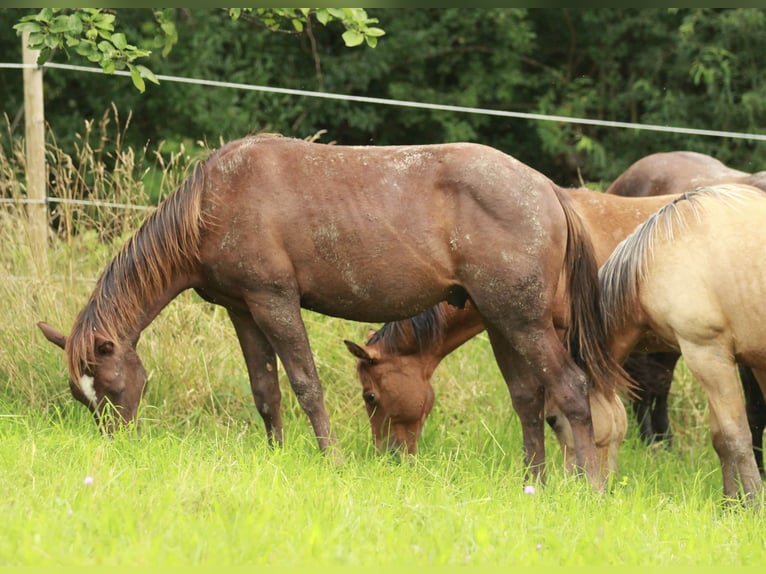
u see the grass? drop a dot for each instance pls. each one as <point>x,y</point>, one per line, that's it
<point>199,484</point>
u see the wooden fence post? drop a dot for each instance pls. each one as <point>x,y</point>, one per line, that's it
<point>37,175</point>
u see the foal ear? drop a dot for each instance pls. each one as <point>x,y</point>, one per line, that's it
<point>53,335</point>
<point>358,351</point>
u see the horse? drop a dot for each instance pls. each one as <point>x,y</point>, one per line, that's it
<point>672,173</point>
<point>690,276</point>
<point>268,225</point>
<point>396,364</point>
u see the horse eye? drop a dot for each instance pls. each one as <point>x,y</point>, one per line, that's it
<point>369,398</point>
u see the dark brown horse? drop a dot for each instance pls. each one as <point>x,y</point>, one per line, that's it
<point>672,173</point>
<point>690,276</point>
<point>397,362</point>
<point>267,225</point>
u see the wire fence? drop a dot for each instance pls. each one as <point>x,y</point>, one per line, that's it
<point>365,100</point>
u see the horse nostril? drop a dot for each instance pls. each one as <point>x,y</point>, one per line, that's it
<point>552,420</point>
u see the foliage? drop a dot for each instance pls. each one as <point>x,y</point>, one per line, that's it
<point>91,33</point>
<point>691,67</point>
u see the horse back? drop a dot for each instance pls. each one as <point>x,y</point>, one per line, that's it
<point>690,267</point>
<point>673,172</point>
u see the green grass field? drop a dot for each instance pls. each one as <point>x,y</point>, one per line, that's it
<point>200,486</point>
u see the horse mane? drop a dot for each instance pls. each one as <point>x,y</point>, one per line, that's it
<point>621,274</point>
<point>165,245</point>
<point>412,335</point>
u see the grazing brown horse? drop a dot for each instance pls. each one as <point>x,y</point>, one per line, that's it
<point>691,276</point>
<point>397,362</point>
<point>671,173</point>
<point>396,365</point>
<point>268,225</point>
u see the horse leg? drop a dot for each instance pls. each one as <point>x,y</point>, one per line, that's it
<point>560,425</point>
<point>754,386</point>
<point>262,370</point>
<point>528,399</point>
<point>542,365</point>
<point>278,316</point>
<point>666,364</point>
<point>635,366</point>
<point>653,374</point>
<point>614,433</point>
<point>714,368</point>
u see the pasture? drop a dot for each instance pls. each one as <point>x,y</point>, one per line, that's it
<point>199,485</point>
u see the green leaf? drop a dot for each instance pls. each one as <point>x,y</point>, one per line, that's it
<point>375,32</point>
<point>86,49</point>
<point>147,74</point>
<point>45,53</point>
<point>27,27</point>
<point>75,25</point>
<point>323,16</point>
<point>138,81</point>
<point>106,49</point>
<point>45,15</point>
<point>104,21</point>
<point>119,41</point>
<point>36,40</point>
<point>51,41</point>
<point>352,38</point>
<point>298,25</point>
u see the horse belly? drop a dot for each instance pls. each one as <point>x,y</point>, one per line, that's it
<point>376,291</point>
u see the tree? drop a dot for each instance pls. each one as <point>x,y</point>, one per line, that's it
<point>91,33</point>
<point>698,68</point>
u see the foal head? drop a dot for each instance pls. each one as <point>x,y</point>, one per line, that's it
<point>110,382</point>
<point>397,394</point>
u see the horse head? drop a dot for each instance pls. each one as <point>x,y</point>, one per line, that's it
<point>397,395</point>
<point>110,382</point>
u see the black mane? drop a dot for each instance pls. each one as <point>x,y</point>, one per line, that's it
<point>412,335</point>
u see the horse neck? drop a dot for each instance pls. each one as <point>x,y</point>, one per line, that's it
<point>611,218</point>
<point>124,311</point>
<point>459,326</point>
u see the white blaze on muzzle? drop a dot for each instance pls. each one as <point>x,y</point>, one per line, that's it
<point>86,386</point>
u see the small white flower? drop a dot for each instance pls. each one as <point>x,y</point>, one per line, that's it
<point>529,489</point>
<point>88,480</point>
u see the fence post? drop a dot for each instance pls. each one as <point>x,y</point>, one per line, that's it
<point>37,176</point>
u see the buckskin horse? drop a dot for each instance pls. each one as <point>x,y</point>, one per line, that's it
<point>672,173</point>
<point>689,276</point>
<point>269,225</point>
<point>396,364</point>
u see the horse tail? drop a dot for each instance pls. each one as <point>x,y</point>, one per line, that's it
<point>586,338</point>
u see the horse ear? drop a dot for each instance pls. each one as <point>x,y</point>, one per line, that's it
<point>359,352</point>
<point>52,334</point>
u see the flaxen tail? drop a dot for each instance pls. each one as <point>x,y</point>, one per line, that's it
<point>586,337</point>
